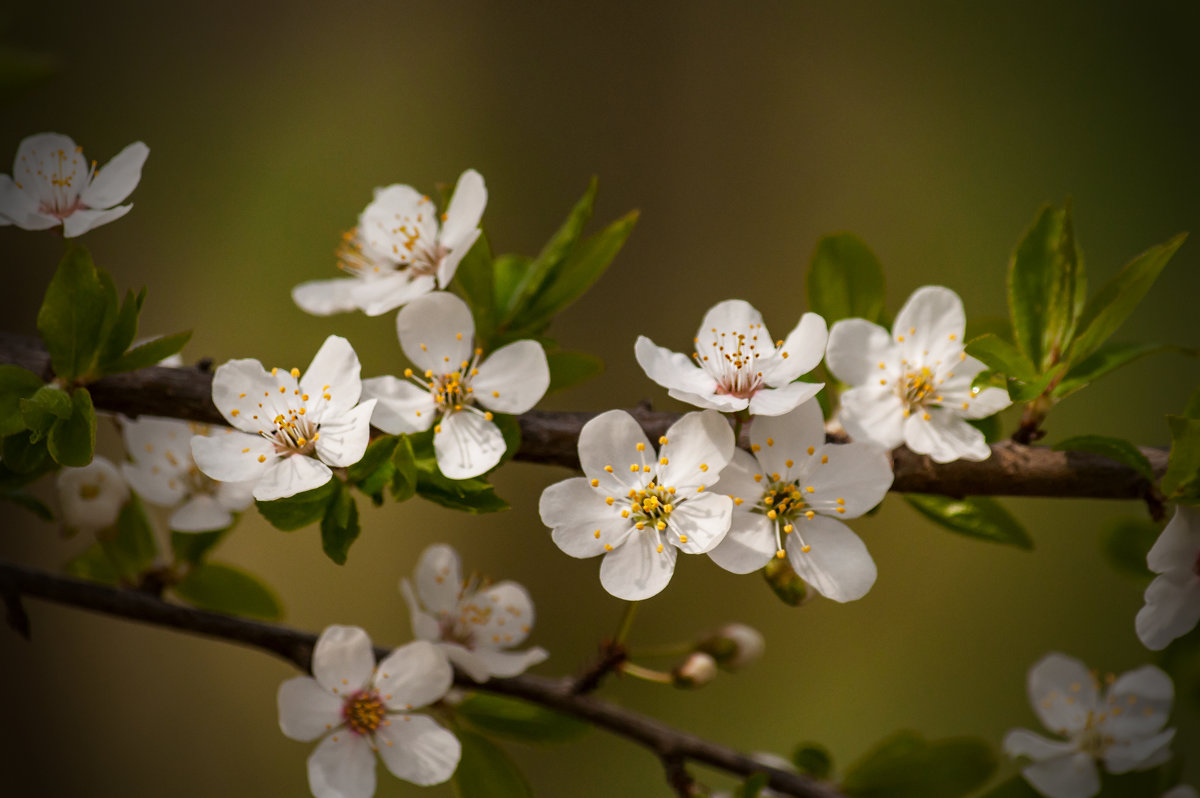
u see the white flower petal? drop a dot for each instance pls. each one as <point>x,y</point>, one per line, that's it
<point>235,496</point>
<point>931,324</point>
<point>465,210</point>
<point>80,222</point>
<point>333,372</point>
<point>468,445</point>
<point>611,439</point>
<point>1172,609</point>
<point>414,675</point>
<point>749,544</point>
<point>448,265</point>
<point>777,401</point>
<point>399,223</point>
<point>1022,742</point>
<point>1139,753</point>
<point>156,486</point>
<point>698,446</point>
<point>21,207</point>
<point>512,379</point>
<point>944,437</point>
<point>400,406</point>
<point>326,297</point>
<point>857,473</point>
<point>1178,545</point>
<point>673,370</point>
<point>802,350</point>
<point>91,497</point>
<point>873,413</point>
<point>737,480</point>
<point>439,578</point>
<point>342,766</point>
<point>289,475</point>
<point>506,664</point>
<point>436,332</point>
<point>837,564</point>
<point>387,293</point>
<point>987,402</point>
<point>343,659</point>
<point>1072,776</point>
<point>245,394</point>
<point>855,350</point>
<point>468,661</point>
<point>779,439</point>
<point>200,513</point>
<point>575,512</point>
<point>306,710</point>
<point>424,625</point>
<point>416,749</point>
<point>703,519</point>
<point>117,179</point>
<point>510,619</point>
<point>639,568</point>
<point>231,456</point>
<point>1144,696</point>
<point>1062,692</point>
<point>343,439</point>
<point>723,402</point>
<point>731,317</point>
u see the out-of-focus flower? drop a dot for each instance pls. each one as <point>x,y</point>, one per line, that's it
<point>91,497</point>
<point>696,671</point>
<point>1173,599</point>
<point>734,646</point>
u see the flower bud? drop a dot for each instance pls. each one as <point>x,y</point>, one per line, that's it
<point>734,646</point>
<point>91,497</point>
<point>696,671</point>
<point>790,588</point>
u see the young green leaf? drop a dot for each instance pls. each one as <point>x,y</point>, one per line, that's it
<point>753,786</point>
<point>476,277</point>
<point>1116,449</point>
<point>72,440</point>
<point>1108,357</point>
<point>147,354</point>
<point>977,517</point>
<point>1001,356</point>
<point>296,512</point>
<point>1105,312</point>
<point>16,384</point>
<point>339,527</point>
<point>193,547</point>
<point>813,759</point>
<point>1046,287</point>
<point>845,279</point>
<point>119,334</point>
<point>541,271</point>
<point>1182,480</point>
<point>72,314</point>
<point>223,588</point>
<point>129,545</point>
<point>404,476</point>
<point>24,455</point>
<point>475,495</point>
<point>906,765</point>
<point>485,771</point>
<point>93,565</point>
<point>508,275</point>
<point>379,451</point>
<point>48,404</point>
<point>1127,541</point>
<point>518,720</point>
<point>568,369</point>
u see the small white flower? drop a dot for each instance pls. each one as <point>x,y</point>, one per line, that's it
<point>53,184</point>
<point>471,622</point>
<point>737,364</point>
<point>91,497</point>
<point>637,508</point>
<point>913,386</point>
<point>291,428</point>
<point>362,709</point>
<point>398,252</point>
<point>1121,727</point>
<point>437,334</point>
<point>1173,599</point>
<point>163,473</point>
<point>789,496</point>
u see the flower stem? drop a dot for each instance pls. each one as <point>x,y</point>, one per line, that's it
<point>626,623</point>
<point>637,671</point>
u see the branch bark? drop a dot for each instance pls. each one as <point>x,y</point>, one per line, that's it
<point>672,746</point>
<point>551,437</point>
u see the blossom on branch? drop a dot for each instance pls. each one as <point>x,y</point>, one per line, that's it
<point>913,385</point>
<point>472,622</point>
<point>91,497</point>
<point>52,184</point>
<point>398,252</point>
<point>455,390</point>
<point>290,429</point>
<point>1173,599</point>
<point>361,709</point>
<point>163,473</point>
<point>637,508</point>
<point>737,364</point>
<point>1120,725</point>
<point>789,497</point>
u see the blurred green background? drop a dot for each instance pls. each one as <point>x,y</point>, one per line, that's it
<point>743,132</point>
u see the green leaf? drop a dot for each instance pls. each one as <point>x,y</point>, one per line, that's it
<point>475,496</point>
<point>1108,357</point>
<point>123,327</point>
<point>378,452</point>
<point>753,786</point>
<point>72,313</point>
<point>404,475</point>
<point>845,279</point>
<point>1117,449</point>
<point>1013,787</point>
<point>129,545</point>
<point>571,368</point>
<point>541,271</point>
<point>147,354</point>
<point>193,547</point>
<point>72,440</point>
<point>47,405</point>
<point>1182,480</point>
<point>24,455</point>
<point>518,720</point>
<point>510,429</point>
<point>296,512</point>
<point>1046,287</point>
<point>485,771</point>
<point>223,588</point>
<point>16,384</point>
<point>1127,541</point>
<point>1105,312</point>
<point>813,759</point>
<point>508,274</point>
<point>906,765</point>
<point>476,278</point>
<point>339,527</point>
<point>977,517</point>
<point>991,427</point>
<point>93,564</point>
<point>1001,356</point>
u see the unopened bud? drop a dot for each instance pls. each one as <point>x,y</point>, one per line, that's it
<point>734,646</point>
<point>696,671</point>
<point>790,588</point>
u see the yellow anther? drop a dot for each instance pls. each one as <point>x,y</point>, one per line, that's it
<point>662,441</point>
<point>787,528</point>
<point>597,534</point>
<point>841,501</point>
<point>437,428</point>
<point>810,489</point>
<point>301,442</point>
<point>781,554</point>
<point>883,382</point>
<point>704,466</point>
<point>274,371</point>
<point>595,483</point>
<point>966,405</point>
<point>608,547</point>
<point>882,365</point>
<point>624,513</point>
<point>639,526</point>
<point>758,477</point>
<point>738,501</point>
<point>295,372</point>
<point>609,469</point>
<point>662,461</point>
<point>771,514</point>
<point>668,508</point>
<point>925,416</point>
<point>806,548</point>
<point>262,458</point>
<point>812,450</point>
<point>824,459</point>
<point>235,412</point>
<point>495,394</point>
<point>775,476</point>
<point>660,526</point>
<point>646,468</point>
<point>488,415</point>
<point>683,538</point>
<point>634,467</point>
<point>659,548</point>
<point>809,514</point>
<point>700,489</point>
<point>609,500</point>
<point>841,509</point>
<point>770,441</point>
<point>754,447</point>
<point>641,447</point>
<point>245,450</point>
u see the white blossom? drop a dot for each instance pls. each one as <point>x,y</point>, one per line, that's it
<point>398,252</point>
<point>360,709</point>
<point>1119,725</point>
<point>455,390</point>
<point>790,496</point>
<point>91,497</point>
<point>737,364</point>
<point>289,429</point>
<point>163,473</point>
<point>1173,599</point>
<point>473,622</point>
<point>913,385</point>
<point>638,508</point>
<point>52,184</point>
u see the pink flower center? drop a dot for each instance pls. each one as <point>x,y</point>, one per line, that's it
<point>364,712</point>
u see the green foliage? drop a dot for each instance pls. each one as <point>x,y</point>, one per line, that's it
<point>73,439</point>
<point>568,369</point>
<point>1181,482</point>
<point>906,765</point>
<point>193,547</point>
<point>977,517</point>
<point>753,786</point>
<point>1108,357</point>
<point>1118,449</point>
<point>373,473</point>
<point>72,314</point>
<point>1046,287</point>
<point>147,354</point>
<point>485,771</point>
<point>47,405</point>
<point>518,720</point>
<point>223,588</point>
<point>473,495</point>
<point>845,279</point>
<point>23,455</point>
<point>93,565</point>
<point>1127,541</point>
<point>129,545</point>
<point>297,512</point>
<point>813,759</point>
<point>16,384</point>
<point>339,527</point>
<point>404,470</point>
<point>1022,381</point>
<point>476,278</point>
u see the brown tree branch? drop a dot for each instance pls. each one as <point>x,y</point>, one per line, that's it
<point>672,746</point>
<point>551,437</point>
